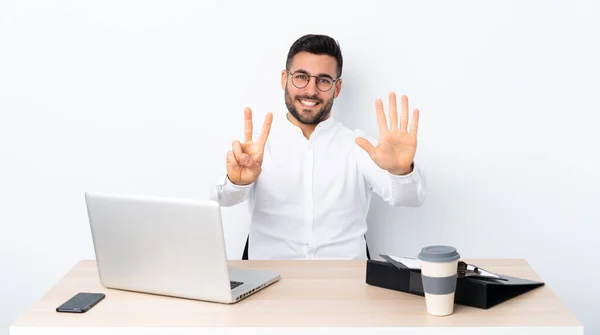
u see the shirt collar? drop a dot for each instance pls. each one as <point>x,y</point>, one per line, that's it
<point>327,123</point>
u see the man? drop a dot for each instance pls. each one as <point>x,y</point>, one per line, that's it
<point>309,180</point>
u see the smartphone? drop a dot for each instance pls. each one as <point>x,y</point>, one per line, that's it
<point>80,302</point>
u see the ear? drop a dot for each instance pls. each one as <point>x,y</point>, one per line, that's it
<point>283,78</point>
<point>338,88</point>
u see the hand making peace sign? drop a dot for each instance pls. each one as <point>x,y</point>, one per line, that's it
<point>244,162</point>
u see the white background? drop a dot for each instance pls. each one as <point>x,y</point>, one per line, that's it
<point>145,97</point>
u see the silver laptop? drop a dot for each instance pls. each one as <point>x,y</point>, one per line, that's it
<point>167,246</point>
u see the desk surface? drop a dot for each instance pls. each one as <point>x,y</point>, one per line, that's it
<point>311,293</point>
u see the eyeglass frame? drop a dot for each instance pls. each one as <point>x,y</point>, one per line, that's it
<point>308,81</point>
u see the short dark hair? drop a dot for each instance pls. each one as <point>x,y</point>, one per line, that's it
<point>318,45</point>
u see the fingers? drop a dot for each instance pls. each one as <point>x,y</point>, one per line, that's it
<point>414,126</point>
<point>393,112</point>
<point>404,115</point>
<point>383,129</point>
<point>266,129</point>
<point>366,145</point>
<point>237,151</point>
<point>231,159</point>
<point>242,158</point>
<point>247,124</point>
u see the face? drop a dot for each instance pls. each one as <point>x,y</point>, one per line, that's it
<point>310,105</point>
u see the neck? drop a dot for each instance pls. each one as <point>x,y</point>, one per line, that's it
<point>307,129</point>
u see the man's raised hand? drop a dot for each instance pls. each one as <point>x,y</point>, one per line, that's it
<point>244,161</point>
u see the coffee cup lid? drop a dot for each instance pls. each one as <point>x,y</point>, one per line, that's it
<point>439,254</point>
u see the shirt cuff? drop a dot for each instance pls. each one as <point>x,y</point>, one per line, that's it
<point>233,187</point>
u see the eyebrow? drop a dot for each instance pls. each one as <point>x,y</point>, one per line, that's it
<point>319,75</point>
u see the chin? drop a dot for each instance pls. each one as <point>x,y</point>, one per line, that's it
<point>309,112</point>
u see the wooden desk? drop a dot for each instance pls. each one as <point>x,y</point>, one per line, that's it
<point>312,297</point>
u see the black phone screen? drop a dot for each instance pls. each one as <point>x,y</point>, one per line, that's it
<point>81,302</point>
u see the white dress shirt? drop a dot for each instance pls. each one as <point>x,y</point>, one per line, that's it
<point>312,197</point>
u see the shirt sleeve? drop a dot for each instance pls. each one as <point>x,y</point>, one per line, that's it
<point>406,190</point>
<point>228,194</point>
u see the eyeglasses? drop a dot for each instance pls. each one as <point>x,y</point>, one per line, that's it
<point>301,80</point>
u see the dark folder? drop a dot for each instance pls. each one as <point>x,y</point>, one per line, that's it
<point>470,291</point>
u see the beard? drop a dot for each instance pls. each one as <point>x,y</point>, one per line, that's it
<point>307,117</point>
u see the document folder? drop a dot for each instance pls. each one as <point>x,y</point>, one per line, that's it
<point>476,292</point>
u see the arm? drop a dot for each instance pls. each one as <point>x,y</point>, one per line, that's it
<point>397,190</point>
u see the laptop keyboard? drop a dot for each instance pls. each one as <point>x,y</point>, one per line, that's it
<point>235,284</point>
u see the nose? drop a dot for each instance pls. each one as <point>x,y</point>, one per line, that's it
<point>311,88</point>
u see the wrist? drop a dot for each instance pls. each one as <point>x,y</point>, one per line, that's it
<point>238,183</point>
<point>403,171</point>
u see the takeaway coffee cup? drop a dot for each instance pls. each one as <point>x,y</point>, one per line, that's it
<point>439,264</point>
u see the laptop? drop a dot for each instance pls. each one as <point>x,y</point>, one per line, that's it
<point>167,246</point>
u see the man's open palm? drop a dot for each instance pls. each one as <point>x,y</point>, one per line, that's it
<point>244,162</point>
<point>397,146</point>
